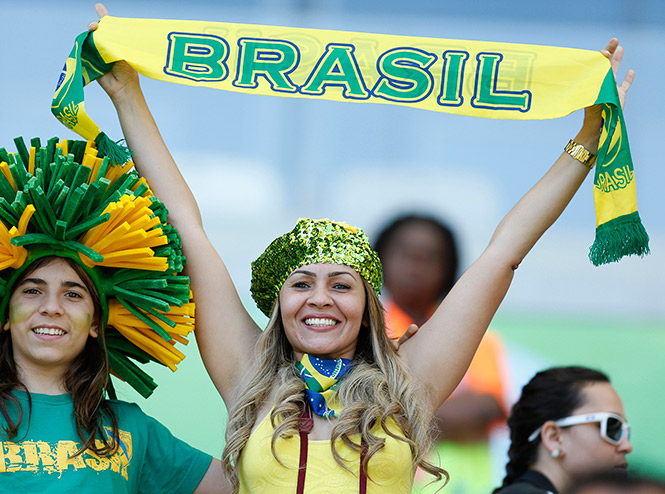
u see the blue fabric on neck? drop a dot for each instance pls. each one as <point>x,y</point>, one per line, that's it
<point>322,377</point>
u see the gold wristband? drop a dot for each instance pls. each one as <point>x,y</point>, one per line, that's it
<point>580,153</point>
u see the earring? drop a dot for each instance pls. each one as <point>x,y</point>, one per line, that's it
<point>555,453</point>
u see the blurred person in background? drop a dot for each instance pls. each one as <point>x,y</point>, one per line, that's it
<point>420,259</point>
<point>617,483</point>
<point>568,423</point>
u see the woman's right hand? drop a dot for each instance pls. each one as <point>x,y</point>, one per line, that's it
<point>122,77</point>
<point>225,333</point>
<point>101,11</point>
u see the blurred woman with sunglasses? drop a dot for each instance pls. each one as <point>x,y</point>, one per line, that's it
<point>568,422</point>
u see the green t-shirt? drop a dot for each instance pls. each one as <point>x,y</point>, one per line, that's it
<point>150,459</point>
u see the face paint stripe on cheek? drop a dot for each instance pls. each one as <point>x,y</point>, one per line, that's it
<point>18,312</point>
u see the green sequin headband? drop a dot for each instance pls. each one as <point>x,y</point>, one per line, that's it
<point>64,199</point>
<point>312,242</point>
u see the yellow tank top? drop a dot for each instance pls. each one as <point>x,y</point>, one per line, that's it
<point>390,470</point>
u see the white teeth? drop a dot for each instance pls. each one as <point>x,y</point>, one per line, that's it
<point>49,331</point>
<point>320,321</point>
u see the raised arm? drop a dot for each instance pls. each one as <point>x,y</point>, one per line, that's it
<point>441,351</point>
<point>225,332</point>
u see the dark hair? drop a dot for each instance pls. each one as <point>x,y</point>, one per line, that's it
<point>550,395</point>
<point>620,481</point>
<point>451,255</point>
<point>87,378</point>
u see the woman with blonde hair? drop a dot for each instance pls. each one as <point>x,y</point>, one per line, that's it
<point>320,401</point>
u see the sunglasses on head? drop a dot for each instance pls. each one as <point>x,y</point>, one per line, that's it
<point>613,428</point>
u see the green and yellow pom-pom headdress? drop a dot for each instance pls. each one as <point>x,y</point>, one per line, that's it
<point>63,199</point>
<point>312,242</point>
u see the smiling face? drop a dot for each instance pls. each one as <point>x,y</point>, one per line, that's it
<point>322,308</point>
<point>584,449</point>
<point>51,314</point>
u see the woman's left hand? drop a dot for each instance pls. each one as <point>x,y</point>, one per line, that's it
<point>614,53</point>
<point>593,120</point>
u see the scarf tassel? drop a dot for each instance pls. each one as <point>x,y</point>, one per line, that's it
<point>622,236</point>
<point>116,152</point>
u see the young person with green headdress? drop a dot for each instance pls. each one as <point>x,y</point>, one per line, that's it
<point>90,284</point>
<point>320,401</point>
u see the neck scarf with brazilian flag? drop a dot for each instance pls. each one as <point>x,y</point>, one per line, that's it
<point>322,378</point>
<point>482,79</point>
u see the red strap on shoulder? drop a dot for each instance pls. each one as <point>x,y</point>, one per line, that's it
<point>305,426</point>
<point>363,475</point>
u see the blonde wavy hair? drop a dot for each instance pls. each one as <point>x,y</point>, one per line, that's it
<point>377,388</point>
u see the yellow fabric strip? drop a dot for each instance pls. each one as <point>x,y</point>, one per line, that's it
<point>477,78</point>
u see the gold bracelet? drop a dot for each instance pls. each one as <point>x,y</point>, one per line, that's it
<point>580,153</point>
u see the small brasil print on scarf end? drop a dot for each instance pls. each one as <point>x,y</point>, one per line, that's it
<point>622,236</point>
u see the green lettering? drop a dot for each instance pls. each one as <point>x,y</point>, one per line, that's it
<point>272,59</point>
<point>337,67</point>
<point>198,57</point>
<point>404,75</point>
<point>452,78</point>
<point>485,93</point>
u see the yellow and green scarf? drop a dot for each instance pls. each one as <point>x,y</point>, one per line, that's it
<point>476,78</point>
